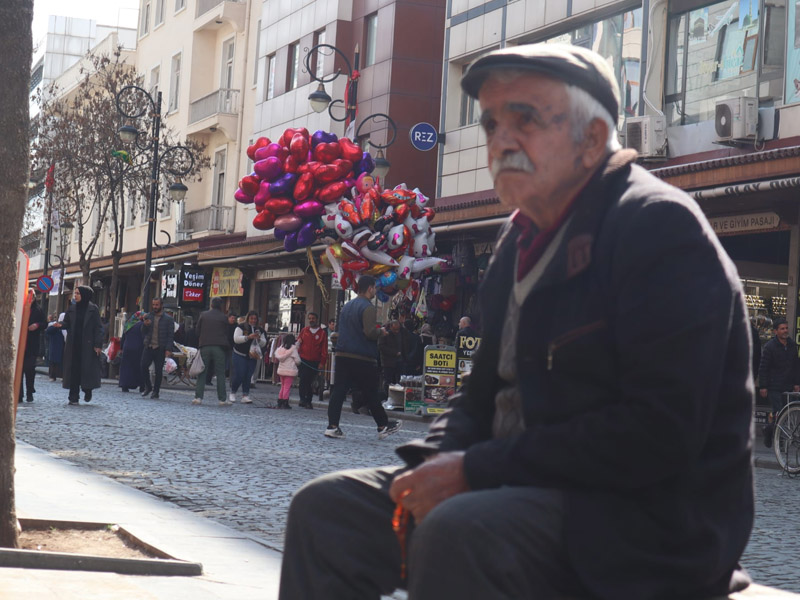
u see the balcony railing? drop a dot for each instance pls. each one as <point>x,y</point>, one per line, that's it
<point>203,6</point>
<point>210,218</point>
<point>222,101</point>
<point>31,243</point>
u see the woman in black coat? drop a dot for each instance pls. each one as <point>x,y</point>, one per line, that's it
<point>83,346</point>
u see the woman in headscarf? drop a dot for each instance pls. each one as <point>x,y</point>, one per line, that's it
<point>83,346</point>
<point>132,344</point>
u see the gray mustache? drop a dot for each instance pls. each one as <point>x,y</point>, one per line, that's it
<point>518,161</point>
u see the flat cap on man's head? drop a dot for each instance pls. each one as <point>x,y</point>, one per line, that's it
<point>571,64</point>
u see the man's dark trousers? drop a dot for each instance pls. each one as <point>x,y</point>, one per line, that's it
<point>307,371</point>
<point>362,376</point>
<point>29,372</point>
<point>156,357</point>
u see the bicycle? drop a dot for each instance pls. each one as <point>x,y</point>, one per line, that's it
<point>786,437</point>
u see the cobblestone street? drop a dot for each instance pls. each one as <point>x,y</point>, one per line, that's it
<point>240,464</point>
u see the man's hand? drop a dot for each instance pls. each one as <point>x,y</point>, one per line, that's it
<point>98,351</point>
<point>432,482</point>
<point>147,322</point>
<point>763,392</point>
<point>796,388</point>
<point>57,325</point>
<point>168,354</point>
<point>33,327</point>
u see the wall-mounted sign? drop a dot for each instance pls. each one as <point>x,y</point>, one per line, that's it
<point>288,273</point>
<point>745,223</point>
<point>423,136</point>
<point>226,282</point>
<point>466,345</point>
<point>193,286</point>
<point>169,285</point>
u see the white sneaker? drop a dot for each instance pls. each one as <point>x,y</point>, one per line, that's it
<point>197,401</point>
<point>231,397</point>
<point>246,400</point>
<point>225,403</point>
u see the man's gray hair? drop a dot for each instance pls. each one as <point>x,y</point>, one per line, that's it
<point>216,303</point>
<point>585,109</point>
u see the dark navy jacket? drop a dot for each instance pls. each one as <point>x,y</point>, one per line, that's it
<point>779,367</point>
<point>633,354</point>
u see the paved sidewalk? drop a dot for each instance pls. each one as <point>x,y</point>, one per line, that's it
<point>235,566</point>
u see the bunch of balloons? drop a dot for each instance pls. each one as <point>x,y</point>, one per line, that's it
<point>320,187</point>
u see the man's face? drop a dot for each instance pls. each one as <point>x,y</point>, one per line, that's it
<point>462,324</point>
<point>370,293</point>
<point>532,158</point>
<point>395,327</point>
<point>252,320</point>
<point>156,304</point>
<point>782,331</point>
<point>231,319</point>
<point>313,320</point>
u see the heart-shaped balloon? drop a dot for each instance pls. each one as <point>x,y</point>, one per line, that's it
<point>308,167</point>
<point>264,220</point>
<point>290,242</point>
<point>291,164</point>
<point>240,196</point>
<point>350,150</point>
<point>259,143</point>
<point>280,234</point>
<point>326,173</point>
<point>304,187</point>
<point>289,133</point>
<point>343,167</point>
<point>366,164</point>
<point>249,185</point>
<point>298,147</point>
<point>327,152</point>
<point>309,209</point>
<point>263,194</point>
<point>279,206</point>
<point>306,235</point>
<point>284,185</point>
<point>270,168</point>
<point>322,137</point>
<point>332,192</point>
<point>273,149</point>
<point>289,222</point>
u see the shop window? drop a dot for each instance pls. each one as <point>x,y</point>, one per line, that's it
<point>712,53</point>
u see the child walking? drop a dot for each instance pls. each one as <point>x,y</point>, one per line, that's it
<point>288,359</point>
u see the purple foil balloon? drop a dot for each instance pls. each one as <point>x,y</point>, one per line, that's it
<point>290,222</point>
<point>290,242</point>
<point>273,149</point>
<point>270,168</point>
<point>309,208</point>
<point>323,136</point>
<point>280,234</point>
<point>367,163</point>
<point>283,186</point>
<point>307,234</point>
<point>263,193</point>
<point>240,196</point>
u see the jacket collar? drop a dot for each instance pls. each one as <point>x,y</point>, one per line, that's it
<point>574,251</point>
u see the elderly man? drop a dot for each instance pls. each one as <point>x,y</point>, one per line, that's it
<point>602,446</point>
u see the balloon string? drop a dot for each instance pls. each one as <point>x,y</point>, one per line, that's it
<point>325,296</point>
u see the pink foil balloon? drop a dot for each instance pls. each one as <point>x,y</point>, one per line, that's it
<point>289,222</point>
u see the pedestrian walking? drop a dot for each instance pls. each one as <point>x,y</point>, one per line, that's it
<point>55,348</point>
<point>249,340</point>
<point>212,334</point>
<point>288,359</point>
<point>606,427</point>
<point>83,346</point>
<point>158,331</point>
<point>132,346</point>
<point>779,372</point>
<point>36,324</point>
<point>357,361</point>
<point>313,350</point>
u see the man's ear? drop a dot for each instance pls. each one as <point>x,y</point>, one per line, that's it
<point>594,143</point>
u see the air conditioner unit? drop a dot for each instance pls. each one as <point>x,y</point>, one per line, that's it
<point>736,118</point>
<point>647,135</point>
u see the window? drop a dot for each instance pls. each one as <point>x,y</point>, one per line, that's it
<point>226,76</point>
<point>370,38</point>
<point>470,112</point>
<point>130,214</point>
<point>318,59</point>
<point>711,54</point>
<point>165,201</point>
<point>180,5</point>
<point>293,66</point>
<point>159,12</point>
<point>269,91</point>
<point>144,24</point>
<point>175,83</point>
<point>257,52</point>
<point>218,191</point>
<point>155,76</point>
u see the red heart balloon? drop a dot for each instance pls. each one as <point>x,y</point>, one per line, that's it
<point>308,167</point>
<point>289,133</point>
<point>332,192</point>
<point>343,167</point>
<point>264,220</point>
<point>327,152</point>
<point>304,187</point>
<point>259,143</point>
<point>249,185</point>
<point>279,206</point>
<point>291,164</point>
<point>350,150</point>
<point>298,147</point>
<point>325,173</point>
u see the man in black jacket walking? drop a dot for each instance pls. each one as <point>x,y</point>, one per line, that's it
<point>779,371</point>
<point>158,329</point>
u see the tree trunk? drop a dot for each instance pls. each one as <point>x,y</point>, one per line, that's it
<point>15,63</point>
<point>113,291</point>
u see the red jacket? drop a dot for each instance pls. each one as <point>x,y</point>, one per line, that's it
<point>314,346</point>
